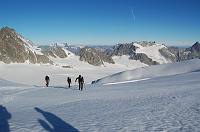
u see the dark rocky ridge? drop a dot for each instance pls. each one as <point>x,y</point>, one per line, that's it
<point>124,49</point>
<point>53,51</point>
<point>143,58</point>
<point>94,57</point>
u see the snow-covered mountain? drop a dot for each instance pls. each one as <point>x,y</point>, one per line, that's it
<point>14,48</point>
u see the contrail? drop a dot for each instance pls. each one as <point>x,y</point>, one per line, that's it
<point>133,15</point>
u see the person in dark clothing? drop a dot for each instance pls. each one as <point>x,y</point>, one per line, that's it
<point>80,82</point>
<point>47,80</point>
<point>69,81</point>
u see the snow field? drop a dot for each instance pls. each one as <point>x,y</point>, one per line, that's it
<point>167,101</point>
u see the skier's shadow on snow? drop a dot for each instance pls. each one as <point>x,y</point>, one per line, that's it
<point>66,88</point>
<point>60,87</point>
<point>4,117</point>
<point>73,87</point>
<point>58,125</point>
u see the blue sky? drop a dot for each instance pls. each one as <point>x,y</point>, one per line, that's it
<point>103,21</point>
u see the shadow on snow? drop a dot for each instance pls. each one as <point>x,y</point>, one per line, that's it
<point>58,125</point>
<point>4,117</point>
<point>73,87</point>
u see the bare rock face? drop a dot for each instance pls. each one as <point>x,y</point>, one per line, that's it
<point>170,56</point>
<point>194,51</point>
<point>94,57</point>
<point>124,49</point>
<point>143,58</point>
<point>187,53</point>
<point>146,43</point>
<point>43,59</point>
<point>15,49</point>
<point>53,51</point>
<point>59,52</point>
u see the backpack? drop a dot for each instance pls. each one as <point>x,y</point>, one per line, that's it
<point>47,78</point>
<point>69,79</point>
<point>81,80</point>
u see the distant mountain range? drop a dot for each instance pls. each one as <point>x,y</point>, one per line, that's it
<point>14,48</point>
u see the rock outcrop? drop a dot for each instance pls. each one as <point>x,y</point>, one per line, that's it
<point>94,57</point>
<point>15,49</point>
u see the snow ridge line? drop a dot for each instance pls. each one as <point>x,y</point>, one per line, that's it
<point>127,81</point>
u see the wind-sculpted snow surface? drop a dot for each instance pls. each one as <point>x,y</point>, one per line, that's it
<point>152,72</point>
<point>5,83</point>
<point>169,103</point>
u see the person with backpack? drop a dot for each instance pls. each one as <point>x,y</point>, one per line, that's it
<point>69,81</point>
<point>80,82</point>
<point>47,81</point>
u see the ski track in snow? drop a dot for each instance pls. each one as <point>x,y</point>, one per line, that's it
<point>161,104</point>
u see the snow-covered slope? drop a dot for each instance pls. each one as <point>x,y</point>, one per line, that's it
<point>125,61</point>
<point>6,83</point>
<point>153,71</point>
<point>161,104</point>
<point>152,51</point>
<point>33,74</point>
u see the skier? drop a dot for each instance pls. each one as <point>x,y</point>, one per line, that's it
<point>69,81</point>
<point>47,80</point>
<point>80,82</point>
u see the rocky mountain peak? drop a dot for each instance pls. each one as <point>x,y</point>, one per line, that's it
<point>197,43</point>
<point>7,33</point>
<point>7,29</point>
<point>146,43</point>
<point>15,49</point>
<point>196,46</point>
<point>124,49</point>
